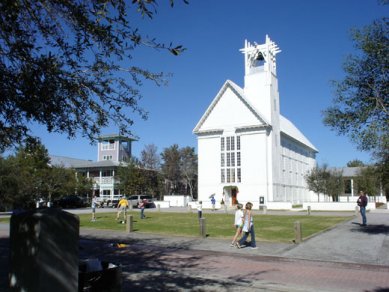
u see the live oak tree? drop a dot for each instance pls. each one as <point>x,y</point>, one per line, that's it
<point>67,64</point>
<point>360,108</point>
<point>136,180</point>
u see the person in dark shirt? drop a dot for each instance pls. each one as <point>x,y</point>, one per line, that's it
<point>362,203</point>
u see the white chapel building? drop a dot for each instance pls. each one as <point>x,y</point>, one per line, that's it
<point>247,151</point>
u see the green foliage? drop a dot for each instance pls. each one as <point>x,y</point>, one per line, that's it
<point>171,168</point>
<point>67,65</point>
<point>267,227</point>
<point>334,184</point>
<point>135,180</point>
<point>28,176</point>
<point>322,180</point>
<point>369,181</point>
<point>361,103</point>
<point>188,168</point>
<point>179,168</point>
<point>355,163</point>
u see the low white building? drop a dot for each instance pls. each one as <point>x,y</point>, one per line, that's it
<point>247,151</point>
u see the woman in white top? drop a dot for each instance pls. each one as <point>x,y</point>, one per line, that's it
<point>238,223</point>
<point>248,228</point>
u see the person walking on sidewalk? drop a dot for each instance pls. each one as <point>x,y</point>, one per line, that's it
<point>238,223</point>
<point>248,228</point>
<point>122,208</point>
<point>362,203</point>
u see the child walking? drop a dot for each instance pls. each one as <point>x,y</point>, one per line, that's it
<point>238,223</point>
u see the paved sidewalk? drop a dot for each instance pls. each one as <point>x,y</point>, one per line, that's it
<point>348,257</point>
<point>347,242</point>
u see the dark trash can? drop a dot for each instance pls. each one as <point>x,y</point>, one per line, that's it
<point>107,277</point>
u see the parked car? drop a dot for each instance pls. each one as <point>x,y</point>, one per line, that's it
<point>108,202</point>
<point>71,201</point>
<point>135,199</point>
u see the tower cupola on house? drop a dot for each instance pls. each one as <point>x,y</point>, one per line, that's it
<point>114,147</point>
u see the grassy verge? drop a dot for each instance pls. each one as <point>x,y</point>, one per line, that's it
<point>267,227</point>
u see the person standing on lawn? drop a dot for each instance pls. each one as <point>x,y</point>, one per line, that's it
<point>238,223</point>
<point>248,228</point>
<point>94,205</point>
<point>142,205</point>
<point>122,208</point>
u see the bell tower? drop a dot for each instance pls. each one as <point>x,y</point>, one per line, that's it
<point>260,80</point>
<point>261,90</point>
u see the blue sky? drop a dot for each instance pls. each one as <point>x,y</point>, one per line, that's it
<point>313,36</point>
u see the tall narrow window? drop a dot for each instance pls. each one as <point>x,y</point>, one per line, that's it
<point>230,159</point>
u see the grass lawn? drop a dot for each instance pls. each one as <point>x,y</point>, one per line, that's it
<point>267,227</point>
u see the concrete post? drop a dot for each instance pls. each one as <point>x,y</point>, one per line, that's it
<point>158,208</point>
<point>264,210</point>
<point>225,208</point>
<point>130,207</point>
<point>130,224</point>
<point>44,251</point>
<point>309,210</point>
<point>297,232</point>
<point>203,230</point>
<point>189,208</point>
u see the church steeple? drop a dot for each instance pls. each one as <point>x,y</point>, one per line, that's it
<point>260,80</point>
<point>258,56</point>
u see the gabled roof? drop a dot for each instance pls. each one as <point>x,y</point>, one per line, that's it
<point>289,129</point>
<point>240,94</point>
<point>68,162</point>
<point>286,126</point>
